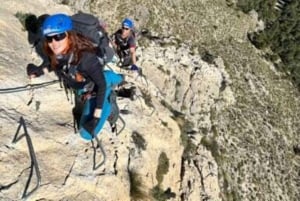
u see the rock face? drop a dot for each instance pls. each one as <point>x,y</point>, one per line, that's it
<point>213,120</point>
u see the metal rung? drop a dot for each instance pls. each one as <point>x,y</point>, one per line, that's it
<point>99,145</point>
<point>34,163</point>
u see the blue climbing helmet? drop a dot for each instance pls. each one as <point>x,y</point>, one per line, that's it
<point>56,24</point>
<point>127,23</point>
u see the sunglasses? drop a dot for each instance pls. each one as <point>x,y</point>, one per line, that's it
<point>125,28</point>
<point>57,37</point>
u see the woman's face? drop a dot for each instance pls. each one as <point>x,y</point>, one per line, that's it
<point>58,43</point>
<point>125,31</point>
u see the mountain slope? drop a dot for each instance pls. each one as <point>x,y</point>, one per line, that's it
<point>213,121</point>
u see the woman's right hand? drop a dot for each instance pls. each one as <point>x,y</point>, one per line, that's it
<point>35,71</point>
<point>32,70</point>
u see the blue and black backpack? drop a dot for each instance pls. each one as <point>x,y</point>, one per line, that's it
<point>110,109</point>
<point>91,27</point>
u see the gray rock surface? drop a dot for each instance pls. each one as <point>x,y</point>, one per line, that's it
<point>213,121</point>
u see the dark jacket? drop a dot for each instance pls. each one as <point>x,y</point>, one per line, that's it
<point>124,44</point>
<point>90,68</point>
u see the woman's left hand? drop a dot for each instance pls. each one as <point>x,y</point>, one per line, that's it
<point>97,113</point>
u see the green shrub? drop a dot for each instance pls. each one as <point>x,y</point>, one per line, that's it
<point>138,140</point>
<point>281,32</point>
<point>136,186</point>
<point>147,98</point>
<point>158,194</point>
<point>162,168</point>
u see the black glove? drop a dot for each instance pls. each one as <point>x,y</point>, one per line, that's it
<point>127,93</point>
<point>90,125</point>
<point>134,67</point>
<point>34,70</point>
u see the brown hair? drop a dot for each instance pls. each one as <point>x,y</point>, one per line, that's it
<point>77,45</point>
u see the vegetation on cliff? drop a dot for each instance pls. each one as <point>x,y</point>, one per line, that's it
<point>281,33</point>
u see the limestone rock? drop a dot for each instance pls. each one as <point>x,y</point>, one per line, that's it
<point>212,119</point>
